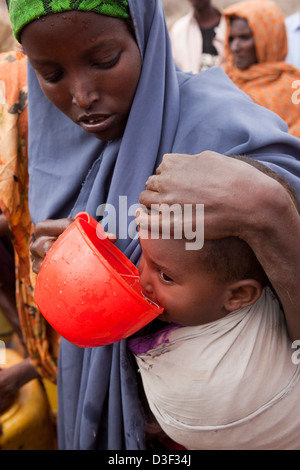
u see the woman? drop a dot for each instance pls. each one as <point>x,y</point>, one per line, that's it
<point>123,107</point>
<point>254,58</point>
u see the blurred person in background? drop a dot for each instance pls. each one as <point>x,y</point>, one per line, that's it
<point>197,37</point>
<point>292,24</point>
<point>255,49</point>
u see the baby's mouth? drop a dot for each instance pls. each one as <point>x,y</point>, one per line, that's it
<point>151,301</point>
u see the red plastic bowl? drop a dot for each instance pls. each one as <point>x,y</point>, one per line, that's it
<point>88,290</point>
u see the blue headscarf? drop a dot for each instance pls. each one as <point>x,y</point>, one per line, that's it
<point>71,171</point>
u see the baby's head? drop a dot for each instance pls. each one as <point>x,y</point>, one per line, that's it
<point>200,286</point>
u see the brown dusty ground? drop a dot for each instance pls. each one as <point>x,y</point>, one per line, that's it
<point>176,8</point>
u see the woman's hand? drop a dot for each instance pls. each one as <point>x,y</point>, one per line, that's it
<point>46,233</point>
<point>229,189</point>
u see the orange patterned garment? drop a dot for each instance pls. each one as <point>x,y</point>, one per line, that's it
<point>269,82</point>
<point>41,341</point>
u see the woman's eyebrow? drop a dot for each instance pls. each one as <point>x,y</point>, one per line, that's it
<point>91,49</point>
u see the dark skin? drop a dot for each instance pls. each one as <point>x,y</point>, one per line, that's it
<point>242,44</point>
<point>206,15</point>
<point>7,296</point>
<point>88,65</point>
<point>14,377</point>
<point>222,184</point>
<point>92,79</point>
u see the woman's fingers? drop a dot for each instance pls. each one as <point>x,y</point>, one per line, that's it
<point>46,233</point>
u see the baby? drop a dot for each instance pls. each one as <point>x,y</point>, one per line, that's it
<point>220,374</point>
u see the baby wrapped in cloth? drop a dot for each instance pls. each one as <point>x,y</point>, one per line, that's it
<point>228,384</point>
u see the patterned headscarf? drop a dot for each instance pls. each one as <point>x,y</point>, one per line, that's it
<point>23,12</point>
<point>266,22</point>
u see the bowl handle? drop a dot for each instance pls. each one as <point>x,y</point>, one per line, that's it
<point>91,221</point>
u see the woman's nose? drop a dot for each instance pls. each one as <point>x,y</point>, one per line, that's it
<point>235,45</point>
<point>82,95</point>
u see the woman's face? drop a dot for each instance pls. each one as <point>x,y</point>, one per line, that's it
<point>88,65</point>
<point>241,43</point>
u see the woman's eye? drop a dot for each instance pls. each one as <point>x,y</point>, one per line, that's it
<point>107,65</point>
<point>165,278</point>
<point>53,78</point>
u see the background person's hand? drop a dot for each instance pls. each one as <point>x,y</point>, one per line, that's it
<point>8,388</point>
<point>12,379</point>
<point>45,234</point>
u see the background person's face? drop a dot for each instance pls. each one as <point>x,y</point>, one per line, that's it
<point>199,5</point>
<point>241,43</point>
<point>88,65</point>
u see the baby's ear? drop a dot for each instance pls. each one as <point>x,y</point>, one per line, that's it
<point>242,294</point>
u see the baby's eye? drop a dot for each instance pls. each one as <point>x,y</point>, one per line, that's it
<point>165,278</point>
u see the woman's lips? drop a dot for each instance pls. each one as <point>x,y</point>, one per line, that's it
<point>95,123</point>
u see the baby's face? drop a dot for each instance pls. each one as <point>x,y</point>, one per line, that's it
<point>173,277</point>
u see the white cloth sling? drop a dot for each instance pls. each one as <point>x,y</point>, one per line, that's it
<point>229,384</point>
